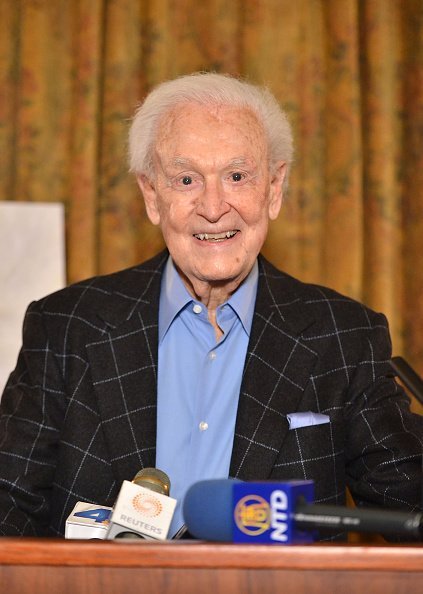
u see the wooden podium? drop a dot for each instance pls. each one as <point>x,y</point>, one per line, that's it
<point>187,567</point>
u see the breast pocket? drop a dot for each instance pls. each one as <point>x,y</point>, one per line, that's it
<point>315,453</point>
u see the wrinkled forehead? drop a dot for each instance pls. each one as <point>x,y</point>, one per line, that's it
<point>206,121</point>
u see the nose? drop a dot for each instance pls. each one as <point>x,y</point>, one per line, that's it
<point>212,203</point>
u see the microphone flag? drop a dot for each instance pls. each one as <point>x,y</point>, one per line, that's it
<point>141,511</point>
<point>88,521</point>
<point>263,511</point>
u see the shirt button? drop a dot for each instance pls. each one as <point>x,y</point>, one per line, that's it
<point>197,308</point>
<point>212,356</point>
<point>203,426</point>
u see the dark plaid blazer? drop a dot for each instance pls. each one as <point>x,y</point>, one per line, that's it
<point>78,415</point>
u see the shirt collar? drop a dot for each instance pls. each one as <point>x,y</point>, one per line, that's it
<point>174,296</point>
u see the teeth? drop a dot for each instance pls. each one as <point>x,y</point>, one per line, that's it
<point>215,236</point>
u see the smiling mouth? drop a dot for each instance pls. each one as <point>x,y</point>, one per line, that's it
<point>215,236</point>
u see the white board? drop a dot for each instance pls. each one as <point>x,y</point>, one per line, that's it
<point>32,264</point>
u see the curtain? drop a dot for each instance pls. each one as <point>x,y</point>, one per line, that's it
<point>348,72</point>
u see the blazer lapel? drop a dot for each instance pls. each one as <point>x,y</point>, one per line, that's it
<point>124,370</point>
<point>276,372</point>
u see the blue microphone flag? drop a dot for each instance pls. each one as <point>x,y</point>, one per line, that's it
<point>263,512</point>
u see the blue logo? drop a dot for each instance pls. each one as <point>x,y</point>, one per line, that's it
<point>263,511</point>
<point>99,515</point>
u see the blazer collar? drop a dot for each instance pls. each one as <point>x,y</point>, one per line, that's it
<point>132,290</point>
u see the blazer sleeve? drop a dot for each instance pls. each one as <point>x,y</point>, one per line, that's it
<point>31,415</point>
<point>384,439</point>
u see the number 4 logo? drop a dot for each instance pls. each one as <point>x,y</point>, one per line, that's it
<point>97,514</point>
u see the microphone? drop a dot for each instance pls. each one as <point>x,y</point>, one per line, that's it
<point>143,508</point>
<point>88,521</point>
<point>280,513</point>
<point>406,373</point>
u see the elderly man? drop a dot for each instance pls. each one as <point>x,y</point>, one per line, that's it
<point>205,361</point>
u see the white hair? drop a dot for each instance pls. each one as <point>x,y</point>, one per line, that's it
<point>214,90</point>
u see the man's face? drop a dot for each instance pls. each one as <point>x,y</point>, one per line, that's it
<point>212,193</point>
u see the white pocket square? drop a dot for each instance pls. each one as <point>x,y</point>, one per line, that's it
<point>306,419</point>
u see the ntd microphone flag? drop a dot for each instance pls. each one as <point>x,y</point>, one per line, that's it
<point>263,511</point>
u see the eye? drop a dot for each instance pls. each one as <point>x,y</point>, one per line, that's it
<point>186,182</point>
<point>236,176</point>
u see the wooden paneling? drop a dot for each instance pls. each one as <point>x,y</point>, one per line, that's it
<point>49,566</point>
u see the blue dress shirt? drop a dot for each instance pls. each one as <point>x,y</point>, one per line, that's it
<point>199,380</point>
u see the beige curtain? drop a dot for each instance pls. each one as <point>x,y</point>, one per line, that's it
<point>349,73</point>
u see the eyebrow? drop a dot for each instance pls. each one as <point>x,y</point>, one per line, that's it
<point>237,162</point>
<point>180,161</point>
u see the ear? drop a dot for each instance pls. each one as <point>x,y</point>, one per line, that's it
<point>150,198</point>
<point>275,190</point>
